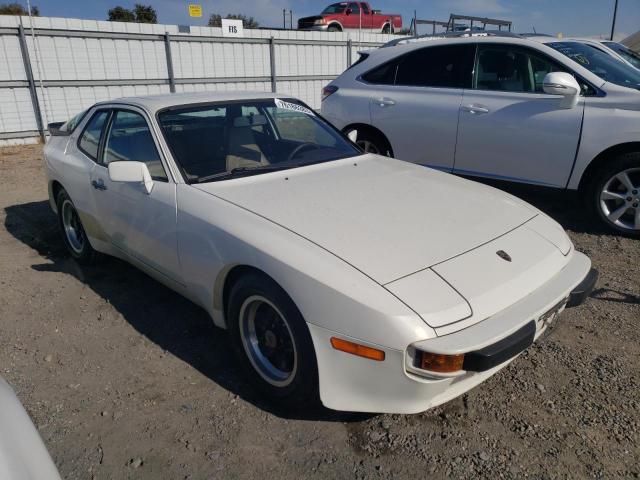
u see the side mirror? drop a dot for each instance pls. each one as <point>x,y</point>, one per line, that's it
<point>131,172</point>
<point>561,83</point>
<point>353,135</point>
<point>348,11</point>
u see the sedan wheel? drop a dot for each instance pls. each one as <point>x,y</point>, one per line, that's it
<point>620,199</point>
<point>272,341</point>
<point>73,233</point>
<point>72,227</point>
<point>268,341</point>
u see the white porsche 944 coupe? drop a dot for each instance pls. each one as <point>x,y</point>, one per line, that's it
<point>370,283</point>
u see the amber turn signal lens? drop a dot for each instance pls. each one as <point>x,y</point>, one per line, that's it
<point>436,362</point>
<point>356,349</point>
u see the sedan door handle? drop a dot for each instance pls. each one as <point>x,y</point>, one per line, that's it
<point>98,185</point>
<point>475,109</point>
<point>385,102</point>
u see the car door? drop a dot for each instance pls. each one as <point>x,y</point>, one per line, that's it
<point>509,128</point>
<point>415,101</point>
<point>352,20</point>
<point>141,225</point>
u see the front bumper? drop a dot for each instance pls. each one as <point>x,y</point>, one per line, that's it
<point>317,28</point>
<point>353,383</point>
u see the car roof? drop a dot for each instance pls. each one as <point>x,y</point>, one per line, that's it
<point>153,103</point>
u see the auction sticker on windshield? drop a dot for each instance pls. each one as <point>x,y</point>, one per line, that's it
<point>292,106</point>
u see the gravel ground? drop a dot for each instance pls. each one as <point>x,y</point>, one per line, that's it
<point>125,379</point>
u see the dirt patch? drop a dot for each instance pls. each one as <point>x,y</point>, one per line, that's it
<point>125,379</point>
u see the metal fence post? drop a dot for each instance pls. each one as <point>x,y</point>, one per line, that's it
<point>167,49</point>
<point>272,61</point>
<point>32,84</point>
<point>349,52</point>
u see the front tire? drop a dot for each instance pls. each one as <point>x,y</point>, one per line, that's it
<point>272,341</point>
<point>333,28</point>
<point>73,233</point>
<point>613,195</point>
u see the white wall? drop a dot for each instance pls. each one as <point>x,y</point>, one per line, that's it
<point>88,59</point>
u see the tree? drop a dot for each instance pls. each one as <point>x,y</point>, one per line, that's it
<point>145,13</point>
<point>139,14</point>
<point>17,9</point>
<point>121,14</point>
<point>215,20</point>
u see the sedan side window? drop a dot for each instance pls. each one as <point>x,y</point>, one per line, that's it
<point>512,69</point>
<point>447,66</point>
<point>89,142</point>
<point>129,138</point>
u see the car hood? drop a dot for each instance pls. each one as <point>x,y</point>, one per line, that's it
<point>385,217</point>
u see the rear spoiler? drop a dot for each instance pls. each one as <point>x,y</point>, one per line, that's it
<point>54,129</point>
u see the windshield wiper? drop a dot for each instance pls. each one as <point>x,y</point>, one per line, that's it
<point>242,172</point>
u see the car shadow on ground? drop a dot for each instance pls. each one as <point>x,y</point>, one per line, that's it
<point>164,317</point>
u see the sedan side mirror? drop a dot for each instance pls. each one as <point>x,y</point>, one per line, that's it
<point>562,83</point>
<point>131,172</point>
<point>348,11</point>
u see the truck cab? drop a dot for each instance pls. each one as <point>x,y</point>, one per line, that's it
<point>341,16</point>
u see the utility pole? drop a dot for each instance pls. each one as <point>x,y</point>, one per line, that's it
<point>613,25</point>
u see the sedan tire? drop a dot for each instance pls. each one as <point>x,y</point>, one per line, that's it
<point>272,341</point>
<point>73,233</point>
<point>613,195</point>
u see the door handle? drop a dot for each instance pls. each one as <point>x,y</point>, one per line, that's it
<point>475,109</point>
<point>98,185</point>
<point>385,102</point>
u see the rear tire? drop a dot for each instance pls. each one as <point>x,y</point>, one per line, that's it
<point>272,342</point>
<point>613,194</point>
<point>386,29</point>
<point>73,233</point>
<point>372,142</point>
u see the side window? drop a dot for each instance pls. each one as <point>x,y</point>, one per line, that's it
<point>89,141</point>
<point>383,75</point>
<point>512,69</point>
<point>129,138</point>
<point>444,66</point>
<point>355,8</point>
<point>365,9</point>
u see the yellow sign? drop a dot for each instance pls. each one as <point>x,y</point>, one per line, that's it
<point>195,10</point>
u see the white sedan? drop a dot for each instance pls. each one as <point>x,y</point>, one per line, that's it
<point>370,283</point>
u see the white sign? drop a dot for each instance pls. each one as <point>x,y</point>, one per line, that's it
<point>232,28</point>
<point>292,106</point>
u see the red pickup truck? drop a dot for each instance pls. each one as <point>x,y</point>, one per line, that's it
<point>352,15</point>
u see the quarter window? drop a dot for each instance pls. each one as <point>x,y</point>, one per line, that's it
<point>90,139</point>
<point>129,138</point>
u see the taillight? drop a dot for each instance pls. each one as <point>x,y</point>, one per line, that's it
<point>328,90</point>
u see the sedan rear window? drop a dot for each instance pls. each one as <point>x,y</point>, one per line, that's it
<point>216,141</point>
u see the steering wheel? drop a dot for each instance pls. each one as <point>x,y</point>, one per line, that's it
<point>299,148</point>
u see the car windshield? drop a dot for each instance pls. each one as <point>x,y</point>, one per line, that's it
<point>629,55</point>
<point>335,8</point>
<point>222,140</point>
<point>599,63</point>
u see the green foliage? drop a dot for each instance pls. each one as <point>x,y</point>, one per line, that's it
<point>17,9</point>
<point>145,13</point>
<point>139,14</point>
<point>215,20</point>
